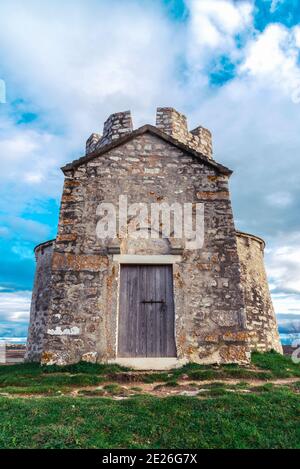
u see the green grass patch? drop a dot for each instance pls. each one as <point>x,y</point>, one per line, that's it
<point>49,380</point>
<point>221,416</point>
<point>91,392</point>
<point>34,369</point>
<point>216,391</point>
<point>281,366</point>
<point>136,388</point>
<point>155,377</point>
<point>296,385</point>
<point>266,420</point>
<point>84,367</point>
<point>35,377</point>
<point>27,390</point>
<point>168,384</point>
<point>241,385</point>
<point>172,383</point>
<point>112,388</point>
<point>202,375</point>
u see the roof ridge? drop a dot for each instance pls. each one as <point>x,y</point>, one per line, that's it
<point>141,130</point>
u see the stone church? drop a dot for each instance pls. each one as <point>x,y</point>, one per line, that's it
<point>149,302</point>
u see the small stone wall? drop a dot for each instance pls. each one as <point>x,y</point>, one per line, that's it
<point>261,320</point>
<point>40,301</point>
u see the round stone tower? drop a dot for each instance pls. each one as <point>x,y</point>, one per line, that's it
<point>40,301</point>
<point>261,319</point>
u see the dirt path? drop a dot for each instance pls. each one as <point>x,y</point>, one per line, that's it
<point>190,388</point>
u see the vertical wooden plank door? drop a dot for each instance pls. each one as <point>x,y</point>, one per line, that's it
<point>146,312</point>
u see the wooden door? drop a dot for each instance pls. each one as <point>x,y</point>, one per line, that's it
<point>146,312</point>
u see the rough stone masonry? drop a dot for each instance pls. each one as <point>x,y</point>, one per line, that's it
<point>222,304</point>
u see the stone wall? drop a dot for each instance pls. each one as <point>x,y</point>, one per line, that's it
<point>209,304</point>
<point>261,319</point>
<point>40,301</point>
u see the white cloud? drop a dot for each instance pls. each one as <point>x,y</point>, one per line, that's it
<point>34,177</point>
<point>297,35</point>
<point>286,304</point>
<point>216,20</point>
<point>22,251</point>
<point>80,63</point>
<point>25,229</point>
<point>273,56</point>
<point>214,25</point>
<point>283,264</point>
<point>279,199</point>
<point>76,66</point>
<point>14,306</point>
<point>20,146</point>
<point>29,157</point>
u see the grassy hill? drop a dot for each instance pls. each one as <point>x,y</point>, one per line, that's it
<point>106,406</point>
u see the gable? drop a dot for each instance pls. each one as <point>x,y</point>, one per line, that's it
<point>156,132</point>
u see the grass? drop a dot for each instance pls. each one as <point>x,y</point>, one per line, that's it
<point>280,366</point>
<point>31,378</point>
<point>104,406</point>
<point>227,421</point>
<point>46,380</point>
<point>32,369</point>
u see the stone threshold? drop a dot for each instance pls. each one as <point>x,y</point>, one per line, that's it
<point>142,363</point>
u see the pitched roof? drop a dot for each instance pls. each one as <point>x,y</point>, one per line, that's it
<point>140,131</point>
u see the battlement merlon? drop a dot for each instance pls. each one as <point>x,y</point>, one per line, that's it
<point>168,120</point>
<point>174,123</point>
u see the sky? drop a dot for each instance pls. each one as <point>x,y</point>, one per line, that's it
<point>231,66</point>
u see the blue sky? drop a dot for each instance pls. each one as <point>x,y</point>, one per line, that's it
<point>232,66</point>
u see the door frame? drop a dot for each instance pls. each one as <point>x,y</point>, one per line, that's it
<point>164,259</point>
<point>146,259</point>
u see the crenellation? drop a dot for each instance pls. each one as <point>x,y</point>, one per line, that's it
<point>115,127</point>
<point>168,120</point>
<point>202,141</point>
<point>91,143</point>
<point>174,123</point>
